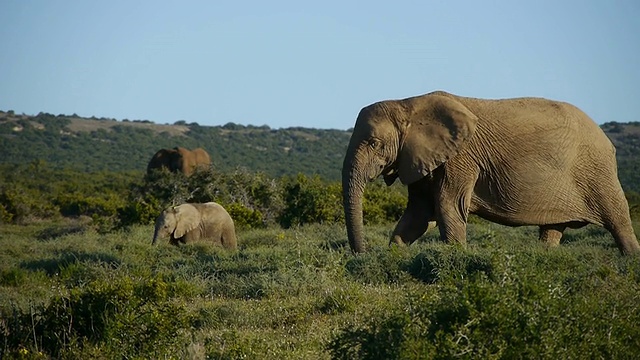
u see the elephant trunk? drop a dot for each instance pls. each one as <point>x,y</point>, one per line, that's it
<point>155,235</point>
<point>353,183</point>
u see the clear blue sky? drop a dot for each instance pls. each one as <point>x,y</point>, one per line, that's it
<point>290,63</point>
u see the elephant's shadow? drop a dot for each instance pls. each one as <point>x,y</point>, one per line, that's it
<point>589,235</point>
<point>77,226</point>
<point>53,266</point>
<point>56,232</point>
<point>334,244</point>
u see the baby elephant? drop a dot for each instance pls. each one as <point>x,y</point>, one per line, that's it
<point>192,222</point>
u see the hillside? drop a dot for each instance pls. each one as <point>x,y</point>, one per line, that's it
<point>626,138</point>
<point>99,144</point>
<point>105,144</point>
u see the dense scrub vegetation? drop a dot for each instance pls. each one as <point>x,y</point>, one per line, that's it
<point>298,293</point>
<point>80,279</point>
<point>115,200</point>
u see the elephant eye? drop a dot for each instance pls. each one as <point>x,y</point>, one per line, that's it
<point>375,143</point>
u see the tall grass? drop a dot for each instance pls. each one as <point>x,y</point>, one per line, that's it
<point>67,291</point>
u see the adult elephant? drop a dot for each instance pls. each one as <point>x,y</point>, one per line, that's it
<point>525,161</point>
<point>179,159</point>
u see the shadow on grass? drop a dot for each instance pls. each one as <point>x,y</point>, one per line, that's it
<point>69,227</point>
<point>429,266</point>
<point>54,232</point>
<point>591,235</point>
<point>54,265</point>
<point>432,266</point>
<point>334,244</point>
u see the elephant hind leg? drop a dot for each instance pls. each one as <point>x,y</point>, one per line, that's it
<point>229,240</point>
<point>624,237</point>
<point>614,211</point>
<point>551,234</point>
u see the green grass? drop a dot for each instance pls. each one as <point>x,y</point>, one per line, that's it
<point>67,291</point>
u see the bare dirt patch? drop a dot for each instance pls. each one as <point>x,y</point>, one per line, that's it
<point>87,125</point>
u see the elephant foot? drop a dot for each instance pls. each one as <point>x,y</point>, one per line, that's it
<point>397,240</point>
<point>625,239</point>
<point>551,234</point>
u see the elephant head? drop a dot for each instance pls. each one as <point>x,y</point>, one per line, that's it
<point>176,221</point>
<point>406,139</point>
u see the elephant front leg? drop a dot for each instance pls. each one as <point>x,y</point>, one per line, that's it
<point>453,212</point>
<point>411,226</point>
<point>551,234</point>
<point>173,241</point>
<point>416,217</point>
<point>453,226</point>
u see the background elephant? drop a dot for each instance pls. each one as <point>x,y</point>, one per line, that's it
<point>526,161</point>
<point>192,222</point>
<point>179,159</point>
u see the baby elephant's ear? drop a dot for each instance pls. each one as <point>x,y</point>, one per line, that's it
<point>187,219</point>
<point>438,127</point>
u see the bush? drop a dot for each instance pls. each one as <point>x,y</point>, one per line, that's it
<point>257,193</point>
<point>310,200</point>
<point>245,218</point>
<point>118,318</point>
<point>104,211</point>
<point>19,204</point>
<point>383,204</point>
<point>516,313</point>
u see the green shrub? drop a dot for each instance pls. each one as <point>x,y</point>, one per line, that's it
<point>340,300</point>
<point>19,204</point>
<point>383,204</point>
<point>6,217</point>
<point>13,277</point>
<point>518,312</point>
<point>383,339</point>
<point>245,218</point>
<point>450,262</point>
<point>235,347</point>
<point>121,317</point>
<point>310,200</point>
<point>379,266</point>
<point>103,210</point>
<point>143,212</point>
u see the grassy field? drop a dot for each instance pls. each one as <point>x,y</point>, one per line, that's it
<point>69,292</point>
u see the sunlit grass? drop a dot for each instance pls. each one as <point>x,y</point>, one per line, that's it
<point>301,294</point>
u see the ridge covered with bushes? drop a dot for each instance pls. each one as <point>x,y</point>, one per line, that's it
<point>101,144</point>
<point>91,145</point>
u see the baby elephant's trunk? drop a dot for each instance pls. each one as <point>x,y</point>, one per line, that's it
<point>155,236</point>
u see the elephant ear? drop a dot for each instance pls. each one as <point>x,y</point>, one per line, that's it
<point>437,128</point>
<point>187,219</point>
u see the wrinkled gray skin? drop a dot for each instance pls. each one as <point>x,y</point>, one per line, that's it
<point>179,159</point>
<point>526,161</point>
<point>194,222</point>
